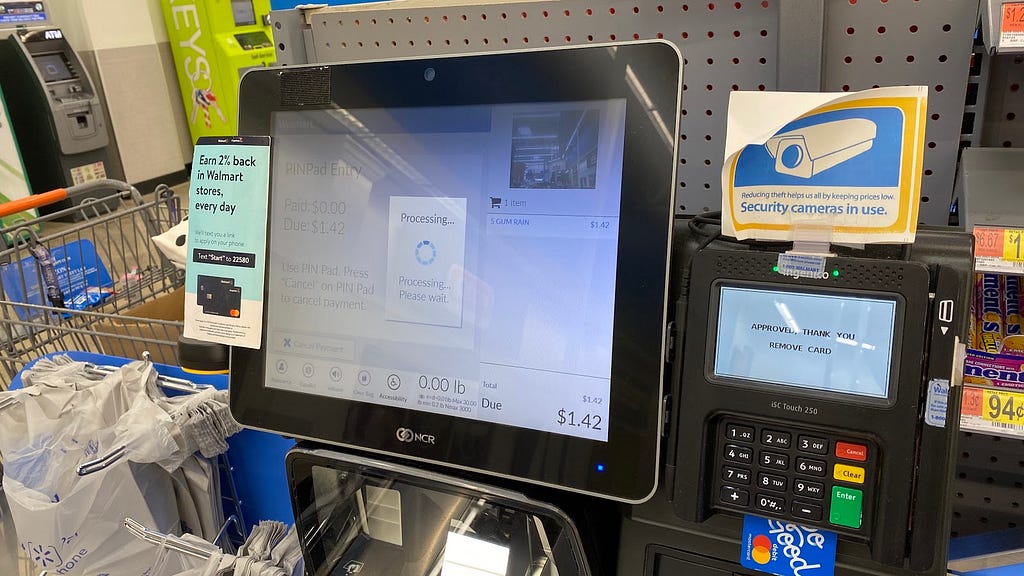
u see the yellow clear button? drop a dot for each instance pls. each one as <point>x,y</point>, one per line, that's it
<point>846,473</point>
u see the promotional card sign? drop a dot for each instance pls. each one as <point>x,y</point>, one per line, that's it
<point>850,162</point>
<point>227,234</point>
<point>787,549</point>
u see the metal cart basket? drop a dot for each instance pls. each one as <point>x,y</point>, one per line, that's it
<point>74,286</point>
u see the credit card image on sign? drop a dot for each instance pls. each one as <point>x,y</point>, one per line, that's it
<point>469,266</point>
<point>219,296</point>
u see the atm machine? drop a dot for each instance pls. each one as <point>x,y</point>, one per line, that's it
<point>507,345</point>
<point>55,110</point>
<point>214,42</point>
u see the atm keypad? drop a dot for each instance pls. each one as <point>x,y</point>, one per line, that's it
<point>772,482</point>
<point>806,511</point>
<point>812,445</point>
<point>741,433</point>
<point>809,477</point>
<point>740,454</point>
<point>811,467</point>
<point>774,505</point>
<point>774,460</point>
<point>732,475</point>
<point>775,438</point>
<point>808,488</point>
<point>735,496</point>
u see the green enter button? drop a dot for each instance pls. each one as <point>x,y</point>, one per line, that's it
<point>847,507</point>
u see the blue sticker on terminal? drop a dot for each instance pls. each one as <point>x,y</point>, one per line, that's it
<point>787,549</point>
<point>938,399</point>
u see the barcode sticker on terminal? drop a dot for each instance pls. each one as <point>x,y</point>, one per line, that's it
<point>802,265</point>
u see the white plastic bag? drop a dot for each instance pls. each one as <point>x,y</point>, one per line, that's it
<point>8,540</point>
<point>71,524</point>
<point>84,532</point>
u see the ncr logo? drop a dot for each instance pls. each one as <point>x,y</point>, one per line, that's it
<point>407,435</point>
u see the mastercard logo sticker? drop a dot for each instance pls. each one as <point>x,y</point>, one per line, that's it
<point>762,552</point>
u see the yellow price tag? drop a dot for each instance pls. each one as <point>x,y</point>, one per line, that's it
<point>1012,249</point>
<point>1004,407</point>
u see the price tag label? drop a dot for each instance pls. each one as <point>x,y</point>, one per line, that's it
<point>999,250</point>
<point>973,401</point>
<point>992,411</point>
<point>1011,27</point>
<point>1012,245</point>
<point>988,242</point>
<point>1004,407</point>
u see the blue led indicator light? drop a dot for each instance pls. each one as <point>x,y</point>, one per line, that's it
<point>600,467</point>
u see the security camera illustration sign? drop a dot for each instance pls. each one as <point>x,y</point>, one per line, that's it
<point>851,164</point>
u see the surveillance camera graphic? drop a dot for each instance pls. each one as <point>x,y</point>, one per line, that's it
<point>809,151</point>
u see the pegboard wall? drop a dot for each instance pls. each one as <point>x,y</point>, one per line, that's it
<point>727,46</point>
<point>871,43</point>
<point>989,484</point>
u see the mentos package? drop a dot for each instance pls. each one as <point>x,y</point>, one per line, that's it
<point>995,355</point>
<point>989,311</point>
<point>999,370</point>
<point>82,279</point>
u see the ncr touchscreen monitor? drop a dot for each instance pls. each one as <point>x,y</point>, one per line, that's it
<point>467,260</point>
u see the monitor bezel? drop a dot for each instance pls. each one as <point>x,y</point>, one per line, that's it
<point>630,457</point>
<point>895,351</point>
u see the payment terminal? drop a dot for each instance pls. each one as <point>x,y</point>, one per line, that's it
<point>815,401</point>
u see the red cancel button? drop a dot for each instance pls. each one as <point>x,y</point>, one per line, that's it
<point>850,451</point>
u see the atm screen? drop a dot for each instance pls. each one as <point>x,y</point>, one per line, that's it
<point>53,68</point>
<point>463,263</point>
<point>243,12</point>
<point>823,341</point>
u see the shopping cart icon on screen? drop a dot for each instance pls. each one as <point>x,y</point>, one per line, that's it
<point>495,202</point>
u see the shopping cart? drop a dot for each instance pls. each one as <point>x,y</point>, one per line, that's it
<point>74,286</point>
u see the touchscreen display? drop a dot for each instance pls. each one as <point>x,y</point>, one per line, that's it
<point>53,68</point>
<point>243,12</point>
<point>454,260</point>
<point>821,341</point>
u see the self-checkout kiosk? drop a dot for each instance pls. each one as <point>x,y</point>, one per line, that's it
<point>491,333</point>
<point>54,107</point>
<point>214,42</point>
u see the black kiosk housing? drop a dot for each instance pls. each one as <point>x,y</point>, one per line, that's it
<point>738,446</point>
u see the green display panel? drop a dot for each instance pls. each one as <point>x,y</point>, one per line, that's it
<point>13,182</point>
<point>214,42</point>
